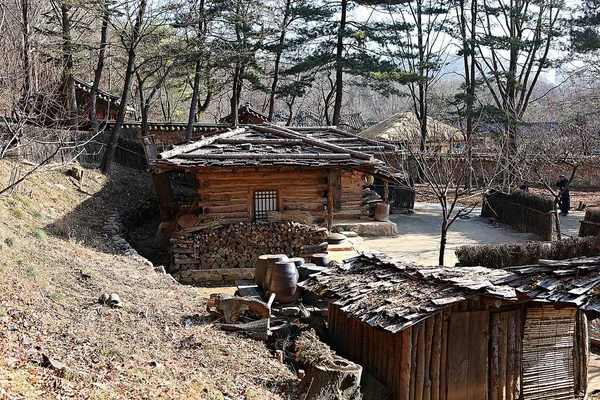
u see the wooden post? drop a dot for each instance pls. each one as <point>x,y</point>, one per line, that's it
<point>405,366</point>
<point>386,191</point>
<point>162,185</point>
<point>436,357</point>
<point>330,181</point>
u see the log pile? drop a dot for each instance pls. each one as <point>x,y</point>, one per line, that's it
<point>238,245</point>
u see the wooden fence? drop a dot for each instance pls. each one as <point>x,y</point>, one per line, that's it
<point>523,211</point>
<point>88,151</point>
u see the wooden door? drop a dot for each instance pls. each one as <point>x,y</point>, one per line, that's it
<point>467,365</point>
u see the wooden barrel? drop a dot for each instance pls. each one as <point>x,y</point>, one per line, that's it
<point>284,280</point>
<point>271,260</point>
<point>260,269</point>
<point>303,271</point>
<point>382,212</point>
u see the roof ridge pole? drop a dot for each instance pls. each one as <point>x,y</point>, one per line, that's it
<point>278,130</point>
<point>200,143</point>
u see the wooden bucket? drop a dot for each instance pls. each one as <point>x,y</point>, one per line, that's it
<point>382,212</point>
<point>271,260</point>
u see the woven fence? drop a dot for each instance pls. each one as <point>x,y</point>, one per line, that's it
<point>590,225</point>
<point>505,255</point>
<point>525,212</point>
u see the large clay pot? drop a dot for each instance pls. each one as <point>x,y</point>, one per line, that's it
<point>303,271</point>
<point>284,280</point>
<point>320,259</point>
<point>298,261</point>
<point>271,260</point>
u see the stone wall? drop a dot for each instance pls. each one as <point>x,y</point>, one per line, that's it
<point>229,252</point>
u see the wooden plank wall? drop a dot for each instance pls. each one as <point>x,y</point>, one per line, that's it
<point>506,332</point>
<point>352,194</point>
<point>445,357</point>
<point>410,363</point>
<point>228,193</point>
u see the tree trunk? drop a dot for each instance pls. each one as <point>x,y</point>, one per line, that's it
<point>111,147</point>
<point>98,72</point>
<point>339,61</point>
<point>337,381</point>
<point>68,78</point>
<point>194,104</point>
<point>26,59</point>
<point>189,132</point>
<point>284,24</point>
<point>443,237</point>
<point>234,96</point>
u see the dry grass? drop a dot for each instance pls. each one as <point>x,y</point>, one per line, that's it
<point>55,262</point>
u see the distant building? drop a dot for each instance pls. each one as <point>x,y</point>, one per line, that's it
<point>403,129</point>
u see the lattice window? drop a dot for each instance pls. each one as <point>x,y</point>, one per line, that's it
<point>264,200</point>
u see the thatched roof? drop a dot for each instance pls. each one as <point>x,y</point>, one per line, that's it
<point>394,295</point>
<point>404,127</point>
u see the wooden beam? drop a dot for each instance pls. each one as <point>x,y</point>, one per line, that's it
<point>386,191</point>
<point>267,156</point>
<point>162,185</point>
<point>330,200</point>
<point>285,132</point>
<point>199,143</point>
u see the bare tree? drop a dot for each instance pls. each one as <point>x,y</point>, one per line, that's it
<point>130,36</point>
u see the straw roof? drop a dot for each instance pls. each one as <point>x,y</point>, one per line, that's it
<point>404,127</point>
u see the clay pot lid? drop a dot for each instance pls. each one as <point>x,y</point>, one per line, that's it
<point>335,238</point>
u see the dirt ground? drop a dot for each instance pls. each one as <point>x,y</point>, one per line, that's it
<point>419,235</point>
<point>56,261</point>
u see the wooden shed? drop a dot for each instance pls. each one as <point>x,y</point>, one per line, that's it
<point>464,333</point>
<point>243,173</point>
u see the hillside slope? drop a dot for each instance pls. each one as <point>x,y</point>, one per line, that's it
<point>55,262</point>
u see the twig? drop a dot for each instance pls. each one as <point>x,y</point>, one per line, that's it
<point>30,172</point>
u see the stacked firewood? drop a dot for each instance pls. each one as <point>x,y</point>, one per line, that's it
<point>238,245</point>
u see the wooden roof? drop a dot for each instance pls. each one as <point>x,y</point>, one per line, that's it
<point>404,127</point>
<point>270,145</point>
<point>394,295</point>
<point>102,94</point>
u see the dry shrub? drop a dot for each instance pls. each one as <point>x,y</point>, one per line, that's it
<point>504,255</point>
<point>311,351</point>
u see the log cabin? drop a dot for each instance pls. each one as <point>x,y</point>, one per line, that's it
<point>251,174</point>
<point>464,333</point>
<point>243,173</point>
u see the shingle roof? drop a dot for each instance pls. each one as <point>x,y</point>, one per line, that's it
<point>393,295</point>
<point>270,145</point>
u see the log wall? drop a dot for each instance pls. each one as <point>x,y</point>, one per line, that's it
<point>228,193</point>
<point>467,351</point>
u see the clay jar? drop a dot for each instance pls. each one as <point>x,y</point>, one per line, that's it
<point>270,263</point>
<point>284,281</point>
